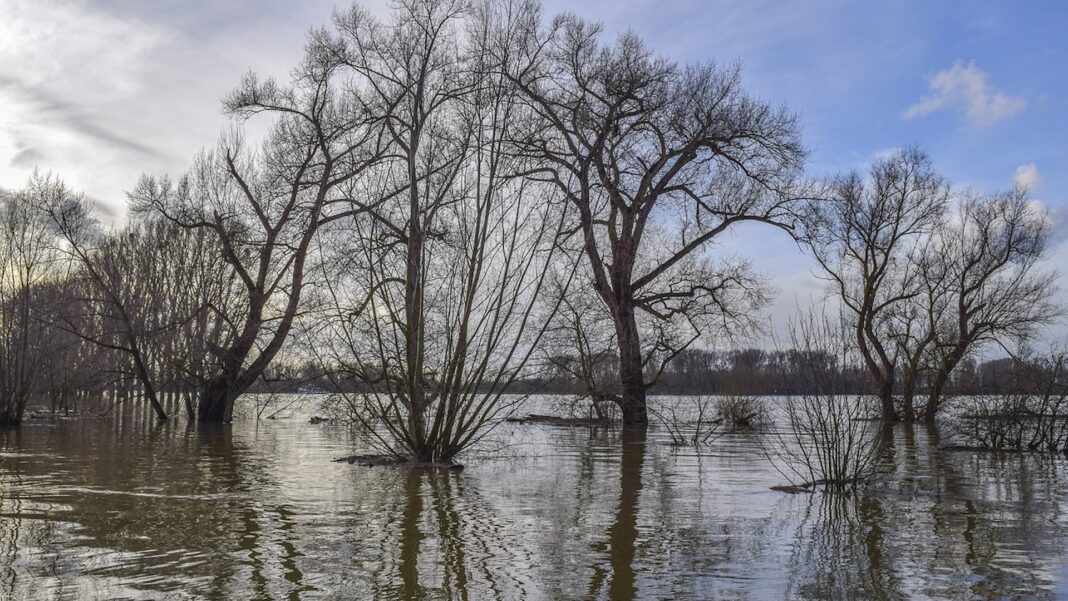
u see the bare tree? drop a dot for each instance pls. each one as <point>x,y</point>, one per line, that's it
<point>435,292</point>
<point>864,237</point>
<point>265,208</point>
<point>637,143</point>
<point>994,285</point>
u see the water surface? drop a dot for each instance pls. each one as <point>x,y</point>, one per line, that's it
<point>122,508</point>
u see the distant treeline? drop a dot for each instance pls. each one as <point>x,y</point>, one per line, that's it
<point>748,371</point>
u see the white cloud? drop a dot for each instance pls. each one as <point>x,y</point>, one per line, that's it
<point>965,87</point>
<point>1027,176</point>
<point>101,91</point>
<point>885,153</point>
<point>64,70</point>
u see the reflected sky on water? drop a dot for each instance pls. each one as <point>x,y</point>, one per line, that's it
<point>123,508</point>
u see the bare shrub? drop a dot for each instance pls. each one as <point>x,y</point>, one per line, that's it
<point>590,407</point>
<point>742,412</point>
<point>692,421</point>
<point>1033,419</point>
<point>828,439</point>
<point>997,423</point>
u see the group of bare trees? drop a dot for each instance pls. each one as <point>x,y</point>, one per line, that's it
<point>29,267</point>
<point>450,192</point>
<point>142,298</point>
<point>520,167</point>
<point>928,275</point>
<point>89,314</point>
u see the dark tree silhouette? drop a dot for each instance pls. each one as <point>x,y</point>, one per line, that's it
<point>639,144</point>
<point>862,236</point>
<point>265,208</point>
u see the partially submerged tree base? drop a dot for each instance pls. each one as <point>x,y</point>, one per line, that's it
<point>812,487</point>
<point>394,461</point>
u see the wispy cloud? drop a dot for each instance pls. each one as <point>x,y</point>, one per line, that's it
<point>25,155</point>
<point>101,91</point>
<point>965,87</point>
<point>1027,176</point>
<point>49,108</point>
<point>67,72</point>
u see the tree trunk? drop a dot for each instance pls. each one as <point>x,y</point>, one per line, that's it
<point>886,397</point>
<point>216,402</point>
<point>631,372</point>
<point>413,317</point>
<point>9,414</point>
<point>146,384</point>
<point>941,377</point>
<point>596,401</point>
<point>934,397</point>
<point>908,397</point>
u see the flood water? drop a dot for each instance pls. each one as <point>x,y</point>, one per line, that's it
<point>122,508</point>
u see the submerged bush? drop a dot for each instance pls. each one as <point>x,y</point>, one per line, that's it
<point>593,408</point>
<point>691,421</point>
<point>742,412</point>
<point>828,438</point>
<point>1016,422</point>
<point>1035,419</point>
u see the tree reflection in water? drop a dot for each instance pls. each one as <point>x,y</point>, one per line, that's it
<point>838,550</point>
<point>623,533</point>
<point>949,526</point>
<point>448,541</point>
<point>118,508</point>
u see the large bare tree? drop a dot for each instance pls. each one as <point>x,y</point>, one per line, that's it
<point>865,236</point>
<point>435,292</point>
<point>637,143</point>
<point>265,207</point>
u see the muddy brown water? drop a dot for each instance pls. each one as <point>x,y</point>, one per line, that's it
<point>122,508</point>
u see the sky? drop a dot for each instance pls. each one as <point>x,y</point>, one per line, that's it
<point>101,91</point>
